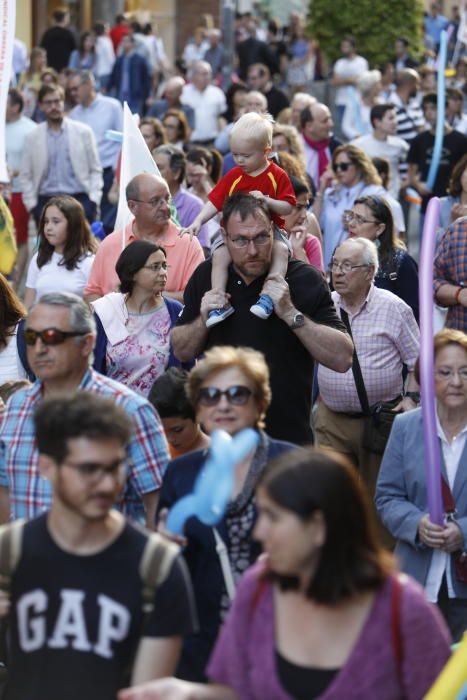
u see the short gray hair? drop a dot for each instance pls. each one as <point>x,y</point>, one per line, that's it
<point>81,318</point>
<point>177,158</point>
<point>85,76</point>
<point>369,252</point>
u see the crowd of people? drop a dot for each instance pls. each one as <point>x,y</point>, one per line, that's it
<point>262,282</point>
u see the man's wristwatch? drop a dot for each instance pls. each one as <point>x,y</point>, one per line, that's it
<point>298,321</point>
<point>414,395</point>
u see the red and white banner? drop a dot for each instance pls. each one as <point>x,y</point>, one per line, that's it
<point>7,37</point>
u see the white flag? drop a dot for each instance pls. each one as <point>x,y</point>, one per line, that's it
<point>136,159</point>
<point>7,37</point>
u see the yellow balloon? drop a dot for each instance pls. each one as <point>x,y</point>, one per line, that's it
<point>453,677</point>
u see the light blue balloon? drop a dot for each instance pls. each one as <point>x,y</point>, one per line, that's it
<point>441,91</point>
<point>214,486</point>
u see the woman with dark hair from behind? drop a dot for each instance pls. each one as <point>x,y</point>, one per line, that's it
<point>133,325</point>
<point>12,351</point>
<point>371,217</point>
<point>454,205</point>
<point>325,614</point>
<point>169,398</point>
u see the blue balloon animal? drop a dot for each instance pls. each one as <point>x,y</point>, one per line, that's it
<point>214,486</point>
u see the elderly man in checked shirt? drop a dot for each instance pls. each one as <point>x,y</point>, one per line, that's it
<point>60,334</point>
<point>386,337</point>
<point>450,282</point>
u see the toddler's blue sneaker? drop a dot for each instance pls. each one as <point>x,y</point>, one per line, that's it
<point>217,315</point>
<point>263,307</point>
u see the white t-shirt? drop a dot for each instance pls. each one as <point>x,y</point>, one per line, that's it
<point>15,134</point>
<point>348,68</point>
<point>394,150</point>
<point>11,368</point>
<point>208,106</point>
<point>53,277</point>
<point>105,56</point>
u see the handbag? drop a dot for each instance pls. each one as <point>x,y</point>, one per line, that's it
<point>379,417</point>
<point>460,557</point>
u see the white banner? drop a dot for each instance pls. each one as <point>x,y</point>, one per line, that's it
<point>136,159</point>
<point>7,37</point>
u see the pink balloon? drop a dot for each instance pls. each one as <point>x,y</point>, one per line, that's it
<point>427,376</point>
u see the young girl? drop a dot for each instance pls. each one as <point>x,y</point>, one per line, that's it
<point>66,250</point>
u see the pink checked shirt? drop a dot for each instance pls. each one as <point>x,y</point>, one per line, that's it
<point>386,336</point>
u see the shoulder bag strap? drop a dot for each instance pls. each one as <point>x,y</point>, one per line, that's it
<point>156,562</point>
<point>356,369</point>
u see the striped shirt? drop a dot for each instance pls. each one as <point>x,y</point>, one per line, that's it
<point>410,121</point>
<point>31,494</point>
<point>451,268</point>
<point>386,337</point>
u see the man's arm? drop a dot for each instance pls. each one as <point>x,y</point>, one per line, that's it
<point>4,505</point>
<point>156,658</point>
<point>328,346</point>
<point>150,502</point>
<point>188,340</point>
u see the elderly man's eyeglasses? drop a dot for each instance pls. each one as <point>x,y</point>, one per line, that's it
<point>50,336</point>
<point>242,242</point>
<point>349,216</point>
<point>345,266</point>
<point>155,202</point>
<point>93,472</point>
<point>445,373</point>
<point>236,395</point>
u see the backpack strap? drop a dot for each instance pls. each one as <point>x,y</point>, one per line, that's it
<point>156,562</point>
<point>11,540</point>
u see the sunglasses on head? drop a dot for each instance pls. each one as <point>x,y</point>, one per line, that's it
<point>235,395</point>
<point>342,166</point>
<point>49,336</point>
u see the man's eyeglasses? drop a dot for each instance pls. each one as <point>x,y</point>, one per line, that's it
<point>156,267</point>
<point>342,166</point>
<point>155,202</point>
<point>445,374</point>
<point>93,472</point>
<point>236,395</point>
<point>242,242</point>
<point>47,103</point>
<point>50,336</point>
<point>348,216</point>
<point>345,266</point>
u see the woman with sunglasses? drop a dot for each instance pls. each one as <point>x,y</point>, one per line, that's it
<point>371,217</point>
<point>353,175</point>
<point>133,325</point>
<point>229,390</point>
<point>65,253</point>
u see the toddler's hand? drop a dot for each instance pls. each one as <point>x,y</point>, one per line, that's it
<point>191,230</point>
<point>258,195</point>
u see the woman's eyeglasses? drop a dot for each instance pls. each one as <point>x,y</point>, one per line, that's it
<point>236,395</point>
<point>156,267</point>
<point>50,336</point>
<point>349,216</point>
<point>342,166</point>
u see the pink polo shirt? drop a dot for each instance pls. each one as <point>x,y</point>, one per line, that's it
<point>183,257</point>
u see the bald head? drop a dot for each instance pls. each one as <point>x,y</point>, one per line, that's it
<point>201,75</point>
<point>173,88</point>
<point>316,122</point>
<point>141,183</point>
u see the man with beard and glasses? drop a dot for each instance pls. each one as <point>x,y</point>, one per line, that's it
<point>60,157</point>
<point>86,616</point>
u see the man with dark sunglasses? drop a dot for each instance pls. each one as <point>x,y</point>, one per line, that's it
<point>304,327</point>
<point>59,335</point>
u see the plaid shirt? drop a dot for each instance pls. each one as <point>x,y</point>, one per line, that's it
<point>386,336</point>
<point>30,494</point>
<point>451,268</point>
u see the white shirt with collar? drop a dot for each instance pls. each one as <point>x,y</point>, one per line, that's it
<point>208,106</point>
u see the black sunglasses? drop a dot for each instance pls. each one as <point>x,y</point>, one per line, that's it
<point>236,395</point>
<point>342,166</point>
<point>49,336</point>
